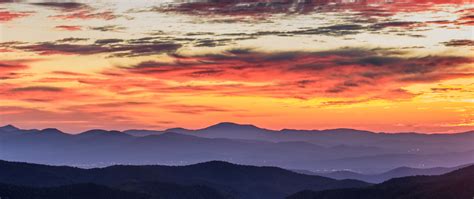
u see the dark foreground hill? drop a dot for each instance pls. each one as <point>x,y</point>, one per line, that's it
<point>93,191</point>
<point>219,178</point>
<point>77,191</point>
<point>458,184</point>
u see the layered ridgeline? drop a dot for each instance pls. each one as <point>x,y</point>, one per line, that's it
<point>458,184</point>
<point>216,180</point>
<point>381,177</point>
<point>312,150</point>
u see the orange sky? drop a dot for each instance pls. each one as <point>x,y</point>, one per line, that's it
<point>372,65</point>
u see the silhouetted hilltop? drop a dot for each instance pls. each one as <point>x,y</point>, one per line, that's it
<point>9,128</point>
<point>100,132</point>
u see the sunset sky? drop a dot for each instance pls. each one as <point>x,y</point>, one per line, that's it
<point>385,66</point>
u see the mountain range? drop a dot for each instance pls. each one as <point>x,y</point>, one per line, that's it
<point>216,180</point>
<point>204,180</point>
<point>402,142</point>
<point>316,151</point>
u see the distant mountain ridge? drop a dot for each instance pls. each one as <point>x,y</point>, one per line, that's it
<point>338,149</point>
<point>243,127</point>
<point>238,181</point>
<point>381,177</point>
<point>458,184</point>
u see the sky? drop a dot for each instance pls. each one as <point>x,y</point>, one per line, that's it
<point>384,66</point>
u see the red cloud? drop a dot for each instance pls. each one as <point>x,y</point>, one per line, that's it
<point>8,16</point>
<point>8,68</point>
<point>68,28</point>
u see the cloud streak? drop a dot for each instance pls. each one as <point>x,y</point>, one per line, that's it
<point>37,89</point>
<point>115,48</point>
<point>64,6</point>
<point>9,68</point>
<point>6,16</point>
<point>69,28</point>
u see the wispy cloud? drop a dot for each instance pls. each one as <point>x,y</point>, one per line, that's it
<point>116,48</point>
<point>6,16</point>
<point>64,6</point>
<point>69,28</point>
<point>37,89</point>
<point>9,68</point>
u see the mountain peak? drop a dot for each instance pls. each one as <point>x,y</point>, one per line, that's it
<point>99,132</point>
<point>347,131</point>
<point>231,125</point>
<point>51,131</point>
<point>177,129</point>
<point>9,128</point>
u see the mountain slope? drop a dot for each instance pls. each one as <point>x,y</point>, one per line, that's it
<point>458,184</point>
<point>240,181</point>
<point>381,177</point>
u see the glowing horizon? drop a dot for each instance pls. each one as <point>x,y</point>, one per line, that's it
<point>382,66</point>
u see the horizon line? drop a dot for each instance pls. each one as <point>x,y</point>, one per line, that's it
<point>240,124</point>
